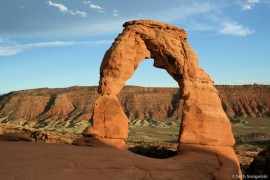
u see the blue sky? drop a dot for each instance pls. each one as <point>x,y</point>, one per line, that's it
<point>61,43</point>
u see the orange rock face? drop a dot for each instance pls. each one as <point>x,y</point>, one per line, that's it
<point>204,127</point>
<point>110,121</point>
<point>203,119</point>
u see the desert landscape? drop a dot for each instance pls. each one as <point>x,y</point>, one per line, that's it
<point>118,90</point>
<point>163,123</point>
<point>44,115</point>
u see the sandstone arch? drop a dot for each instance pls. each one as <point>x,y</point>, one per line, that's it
<point>203,121</point>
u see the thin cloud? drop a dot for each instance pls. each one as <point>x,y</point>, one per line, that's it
<point>76,12</point>
<point>205,16</point>
<point>14,48</point>
<point>200,26</point>
<point>189,10</point>
<point>59,6</point>
<point>253,1</point>
<point>94,6</point>
<point>87,2</point>
<point>247,7</point>
<point>64,9</point>
<point>115,13</point>
<point>235,29</point>
<point>249,4</point>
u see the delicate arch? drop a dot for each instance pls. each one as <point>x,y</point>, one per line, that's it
<point>203,119</point>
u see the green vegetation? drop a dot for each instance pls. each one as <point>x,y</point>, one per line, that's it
<point>71,127</point>
<point>148,130</point>
<point>252,132</point>
<point>158,138</point>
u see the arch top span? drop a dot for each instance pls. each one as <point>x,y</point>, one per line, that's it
<point>203,120</point>
<point>143,39</point>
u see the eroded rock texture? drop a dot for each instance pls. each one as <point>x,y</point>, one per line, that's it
<point>203,119</point>
<point>205,127</point>
<point>205,137</point>
<point>43,107</point>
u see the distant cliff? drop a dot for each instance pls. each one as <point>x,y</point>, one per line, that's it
<point>246,100</point>
<point>76,103</point>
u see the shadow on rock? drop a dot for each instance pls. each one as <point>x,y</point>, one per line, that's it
<point>153,151</point>
<point>260,166</point>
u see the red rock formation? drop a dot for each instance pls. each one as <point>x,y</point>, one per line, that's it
<point>203,119</point>
<point>61,104</point>
<point>246,100</point>
<point>38,105</point>
<point>204,126</point>
<point>9,132</point>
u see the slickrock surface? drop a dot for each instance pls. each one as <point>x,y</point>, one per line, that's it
<point>26,160</point>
